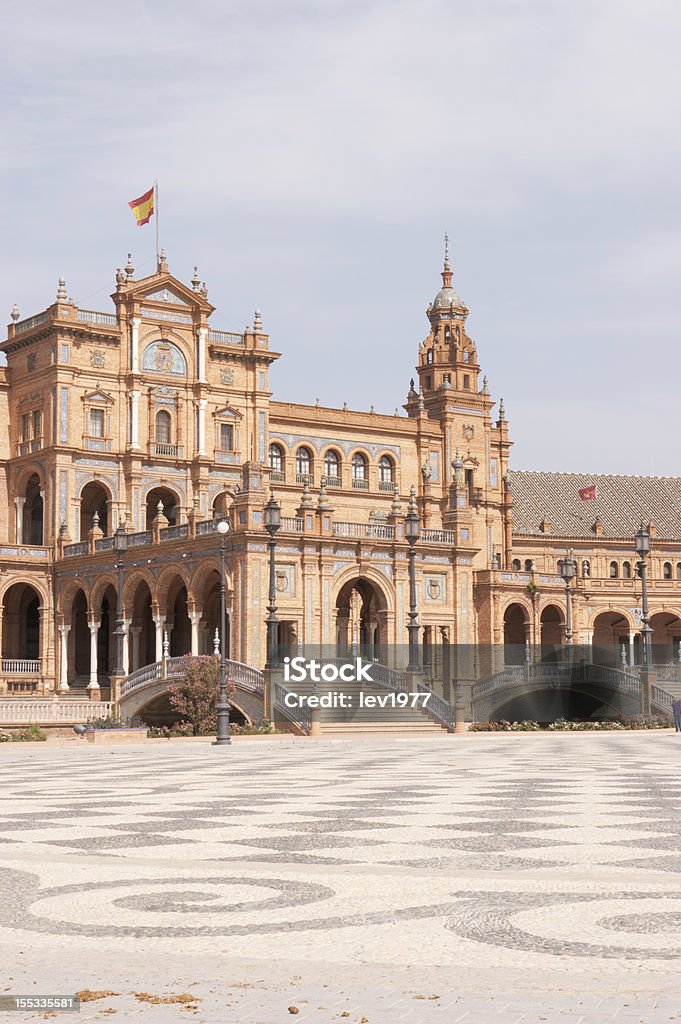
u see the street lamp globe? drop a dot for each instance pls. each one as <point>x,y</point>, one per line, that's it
<point>223,527</point>
<point>642,541</point>
<point>272,515</point>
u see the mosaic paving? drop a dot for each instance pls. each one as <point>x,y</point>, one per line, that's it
<point>504,878</point>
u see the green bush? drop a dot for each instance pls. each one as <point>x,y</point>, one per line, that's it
<point>110,722</point>
<point>562,725</point>
<point>31,734</point>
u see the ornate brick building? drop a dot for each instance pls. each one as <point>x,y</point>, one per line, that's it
<point>151,416</point>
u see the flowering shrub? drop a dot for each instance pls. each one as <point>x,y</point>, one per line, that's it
<point>165,732</point>
<point>195,697</point>
<point>562,725</point>
<point>33,733</point>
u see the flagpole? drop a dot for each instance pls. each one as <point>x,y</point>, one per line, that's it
<point>158,250</point>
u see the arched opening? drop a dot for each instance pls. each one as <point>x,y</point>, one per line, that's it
<point>163,427</point>
<point>94,498</point>
<point>221,504</point>
<point>210,617</point>
<point>515,634</point>
<point>515,565</point>
<point>21,623</point>
<point>106,615</point>
<point>332,465</point>
<point>610,639</point>
<point>666,637</point>
<point>386,473</point>
<point>276,461</point>
<point>303,465</point>
<point>360,471</point>
<point>360,619</point>
<point>550,703</point>
<point>667,571</point>
<point>79,641</point>
<point>551,623</point>
<point>169,501</point>
<point>142,639</point>
<point>159,711</point>
<point>33,512</point>
<point>177,622</point>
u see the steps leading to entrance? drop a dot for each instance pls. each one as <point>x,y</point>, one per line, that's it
<point>380,728</point>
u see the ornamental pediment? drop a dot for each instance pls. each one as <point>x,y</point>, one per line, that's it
<point>97,396</point>
<point>228,413</point>
<point>166,295</point>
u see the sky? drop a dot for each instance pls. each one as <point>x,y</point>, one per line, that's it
<point>311,155</point>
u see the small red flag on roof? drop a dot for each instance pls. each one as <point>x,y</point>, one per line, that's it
<point>588,493</point>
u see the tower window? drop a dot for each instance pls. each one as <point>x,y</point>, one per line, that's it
<point>276,458</point>
<point>667,571</point>
<point>467,381</point>
<point>447,334</point>
<point>614,570</point>
<point>428,383</point>
<point>163,427</point>
<point>25,427</point>
<point>226,437</point>
<point>429,356</point>
<point>515,565</point>
<point>626,570</point>
<point>96,423</point>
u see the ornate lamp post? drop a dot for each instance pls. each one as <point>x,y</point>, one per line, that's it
<point>642,544</point>
<point>412,531</point>
<point>120,545</point>
<point>568,570</point>
<point>222,737</point>
<point>272,525</point>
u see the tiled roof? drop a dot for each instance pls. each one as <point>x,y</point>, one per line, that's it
<point>621,503</point>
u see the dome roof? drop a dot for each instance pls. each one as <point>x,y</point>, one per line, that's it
<point>447,297</point>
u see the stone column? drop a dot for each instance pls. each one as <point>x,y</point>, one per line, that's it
<point>195,618</point>
<point>201,426</point>
<point>589,641</point>
<point>63,658</point>
<point>632,649</point>
<point>126,651</point>
<point>134,344</point>
<point>135,633</point>
<point>20,502</point>
<point>159,623</point>
<point>201,354</point>
<point>134,418</point>
<point>93,625</point>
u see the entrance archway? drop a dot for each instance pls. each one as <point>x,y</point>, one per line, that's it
<point>94,498</point>
<point>21,622</point>
<point>551,623</point>
<point>178,625</point>
<point>142,648</point>
<point>666,637</point>
<point>516,623</point>
<point>611,634</point>
<point>33,512</point>
<point>169,501</point>
<point>360,619</point>
<point>79,639</point>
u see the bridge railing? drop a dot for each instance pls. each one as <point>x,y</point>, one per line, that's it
<point>245,676</point>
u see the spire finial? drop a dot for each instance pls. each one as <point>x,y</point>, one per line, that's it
<point>15,314</point>
<point>446,251</point>
<point>502,410</point>
<point>196,280</point>
<point>61,290</point>
<point>129,269</point>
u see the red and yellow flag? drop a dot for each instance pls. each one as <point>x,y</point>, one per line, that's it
<point>589,493</point>
<point>143,207</point>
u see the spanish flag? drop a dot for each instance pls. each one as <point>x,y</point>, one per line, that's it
<point>589,493</point>
<point>143,207</point>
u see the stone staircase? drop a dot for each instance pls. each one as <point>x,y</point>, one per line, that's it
<point>388,720</point>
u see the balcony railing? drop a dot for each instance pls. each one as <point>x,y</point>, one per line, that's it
<point>438,536</point>
<point>167,451</point>
<point>20,666</point>
<point>370,530</point>
<point>104,544</point>
<point>71,550</point>
<point>31,322</point>
<point>292,524</point>
<point>303,478</point>
<point>90,316</point>
<point>386,485</point>
<point>27,447</point>
<point>278,476</point>
<point>226,338</point>
<point>331,481</point>
<point>360,484</point>
<point>174,532</point>
<point>138,539</point>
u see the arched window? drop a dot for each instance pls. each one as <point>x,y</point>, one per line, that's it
<point>303,465</point>
<point>614,570</point>
<point>586,568</point>
<point>515,565</point>
<point>386,469</point>
<point>667,571</point>
<point>164,425</point>
<point>626,570</point>
<point>678,570</point>
<point>528,565</point>
<point>331,467</point>
<point>359,471</point>
<point>276,456</point>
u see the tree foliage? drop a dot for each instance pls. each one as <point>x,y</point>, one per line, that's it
<point>195,697</point>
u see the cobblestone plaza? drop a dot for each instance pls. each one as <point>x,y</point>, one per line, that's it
<point>509,878</point>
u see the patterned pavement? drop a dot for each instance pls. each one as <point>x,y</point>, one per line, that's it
<point>509,878</point>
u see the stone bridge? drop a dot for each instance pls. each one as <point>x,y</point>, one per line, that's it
<point>557,688</point>
<point>148,683</point>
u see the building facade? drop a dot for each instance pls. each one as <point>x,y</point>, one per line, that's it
<point>150,417</point>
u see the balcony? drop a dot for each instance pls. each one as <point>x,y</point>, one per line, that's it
<point>277,476</point>
<point>27,447</point>
<point>364,530</point>
<point>359,484</point>
<point>304,478</point>
<point>161,450</point>
<point>331,481</point>
<point>20,666</point>
<point>386,485</point>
